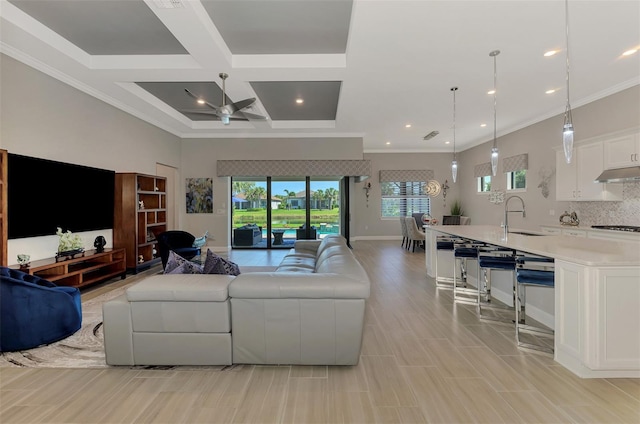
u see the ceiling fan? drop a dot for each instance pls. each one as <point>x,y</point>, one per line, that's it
<point>225,112</point>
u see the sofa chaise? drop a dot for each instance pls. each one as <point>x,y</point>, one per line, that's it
<point>309,311</point>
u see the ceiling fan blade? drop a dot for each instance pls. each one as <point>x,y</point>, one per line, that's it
<point>200,112</point>
<point>251,116</point>
<point>241,104</point>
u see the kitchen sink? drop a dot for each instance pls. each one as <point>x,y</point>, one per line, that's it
<point>525,233</point>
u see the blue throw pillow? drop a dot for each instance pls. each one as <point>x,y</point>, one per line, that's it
<point>215,264</point>
<point>176,264</point>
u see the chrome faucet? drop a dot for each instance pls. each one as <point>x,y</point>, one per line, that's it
<point>507,211</point>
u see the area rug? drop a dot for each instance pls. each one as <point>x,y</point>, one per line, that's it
<point>85,348</point>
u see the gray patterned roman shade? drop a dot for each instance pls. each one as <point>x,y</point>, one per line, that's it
<point>515,163</point>
<point>406,175</point>
<point>359,169</point>
<point>482,170</point>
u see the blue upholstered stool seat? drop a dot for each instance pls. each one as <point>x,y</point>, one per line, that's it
<point>466,252</point>
<point>537,277</point>
<point>497,262</point>
<point>444,245</point>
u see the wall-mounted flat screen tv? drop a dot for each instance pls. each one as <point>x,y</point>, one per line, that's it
<point>44,194</point>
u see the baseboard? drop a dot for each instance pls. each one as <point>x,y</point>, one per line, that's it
<point>356,238</point>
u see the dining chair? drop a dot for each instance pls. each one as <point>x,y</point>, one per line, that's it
<point>413,233</point>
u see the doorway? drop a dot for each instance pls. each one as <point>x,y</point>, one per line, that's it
<point>272,213</point>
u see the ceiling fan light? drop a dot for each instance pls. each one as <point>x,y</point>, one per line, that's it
<point>224,119</point>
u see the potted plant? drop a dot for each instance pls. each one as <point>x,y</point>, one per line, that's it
<point>456,208</point>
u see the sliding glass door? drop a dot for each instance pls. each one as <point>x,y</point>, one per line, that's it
<point>272,213</point>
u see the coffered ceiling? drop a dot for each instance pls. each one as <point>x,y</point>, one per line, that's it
<point>363,68</point>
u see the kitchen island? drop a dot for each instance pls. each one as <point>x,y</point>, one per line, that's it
<point>597,295</point>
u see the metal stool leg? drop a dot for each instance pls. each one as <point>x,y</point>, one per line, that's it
<point>496,260</point>
<point>526,277</point>
<point>462,293</point>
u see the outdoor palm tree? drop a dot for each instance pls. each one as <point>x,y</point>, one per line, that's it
<point>318,196</point>
<point>254,194</point>
<point>331,194</point>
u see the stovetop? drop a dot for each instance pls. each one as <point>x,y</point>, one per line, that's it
<point>628,228</point>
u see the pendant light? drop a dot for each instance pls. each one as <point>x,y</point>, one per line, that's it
<point>454,163</point>
<point>494,149</point>
<point>567,129</point>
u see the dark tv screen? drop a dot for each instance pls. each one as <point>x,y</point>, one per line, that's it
<point>44,194</point>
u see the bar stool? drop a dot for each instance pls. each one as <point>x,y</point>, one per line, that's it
<point>492,258</point>
<point>463,250</point>
<point>532,271</point>
<point>443,244</point>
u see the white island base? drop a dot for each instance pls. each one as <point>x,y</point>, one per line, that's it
<point>597,296</point>
<point>597,313</point>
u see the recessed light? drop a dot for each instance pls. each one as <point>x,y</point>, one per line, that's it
<point>200,101</point>
<point>630,52</point>
<point>388,142</point>
<point>491,92</point>
<point>299,101</point>
<point>408,126</point>
<point>447,142</point>
<point>550,91</point>
<point>483,125</point>
<point>550,53</point>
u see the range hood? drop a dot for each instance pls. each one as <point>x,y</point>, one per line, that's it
<point>619,175</point>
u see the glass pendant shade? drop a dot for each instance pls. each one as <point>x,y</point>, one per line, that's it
<point>454,170</point>
<point>494,149</point>
<point>567,129</point>
<point>454,163</point>
<point>494,161</point>
<point>225,119</point>
<point>567,141</point>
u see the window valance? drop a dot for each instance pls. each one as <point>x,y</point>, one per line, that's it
<point>515,163</point>
<point>359,169</point>
<point>406,175</point>
<point>482,170</point>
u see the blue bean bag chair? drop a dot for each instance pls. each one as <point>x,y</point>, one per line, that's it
<point>34,311</point>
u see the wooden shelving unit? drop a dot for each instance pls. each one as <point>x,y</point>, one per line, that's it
<point>91,268</point>
<point>140,215</point>
<point>3,207</point>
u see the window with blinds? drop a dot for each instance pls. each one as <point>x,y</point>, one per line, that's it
<point>403,198</point>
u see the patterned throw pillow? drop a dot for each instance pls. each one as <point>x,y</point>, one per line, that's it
<point>215,264</point>
<point>176,264</point>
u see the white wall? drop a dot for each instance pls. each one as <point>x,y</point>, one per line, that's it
<point>45,118</point>
<point>614,113</point>
<point>199,161</point>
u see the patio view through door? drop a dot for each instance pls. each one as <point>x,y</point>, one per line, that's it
<point>272,213</point>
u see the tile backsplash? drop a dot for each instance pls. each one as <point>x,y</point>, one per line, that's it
<point>626,212</point>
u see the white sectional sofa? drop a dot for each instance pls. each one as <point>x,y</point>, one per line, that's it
<point>309,311</point>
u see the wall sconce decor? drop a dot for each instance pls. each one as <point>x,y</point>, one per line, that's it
<point>367,189</point>
<point>445,187</point>
<point>496,196</point>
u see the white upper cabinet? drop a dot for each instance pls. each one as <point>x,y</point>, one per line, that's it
<point>622,151</point>
<point>575,181</point>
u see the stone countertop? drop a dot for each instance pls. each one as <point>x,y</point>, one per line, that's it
<point>589,228</point>
<point>579,250</point>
